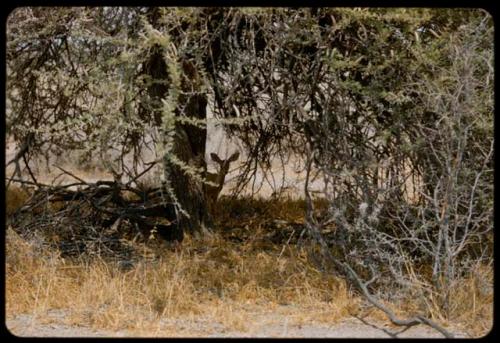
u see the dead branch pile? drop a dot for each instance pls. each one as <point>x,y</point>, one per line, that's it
<point>100,218</point>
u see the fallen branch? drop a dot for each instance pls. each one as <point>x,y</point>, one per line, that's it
<point>392,317</point>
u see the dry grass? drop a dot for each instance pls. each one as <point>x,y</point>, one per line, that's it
<point>472,301</point>
<point>217,281</point>
<point>15,198</point>
<point>256,211</point>
<point>471,304</point>
<point>213,279</point>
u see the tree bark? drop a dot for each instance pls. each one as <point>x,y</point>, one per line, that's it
<point>189,142</point>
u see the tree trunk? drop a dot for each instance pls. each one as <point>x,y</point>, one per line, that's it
<point>189,141</point>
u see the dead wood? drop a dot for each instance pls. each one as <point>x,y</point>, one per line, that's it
<point>97,215</point>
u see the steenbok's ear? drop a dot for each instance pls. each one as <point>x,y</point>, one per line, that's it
<point>234,157</point>
<point>215,158</point>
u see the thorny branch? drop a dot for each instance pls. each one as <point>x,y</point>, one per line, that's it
<point>315,231</point>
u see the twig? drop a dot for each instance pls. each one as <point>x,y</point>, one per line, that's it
<point>72,175</point>
<point>39,185</point>
<point>152,164</point>
<point>29,169</point>
<point>388,332</point>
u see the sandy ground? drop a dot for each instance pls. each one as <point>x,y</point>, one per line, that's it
<point>263,325</point>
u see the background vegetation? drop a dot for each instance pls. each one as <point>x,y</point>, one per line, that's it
<point>391,108</point>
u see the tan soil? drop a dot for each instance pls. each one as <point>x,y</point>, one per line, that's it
<point>264,325</point>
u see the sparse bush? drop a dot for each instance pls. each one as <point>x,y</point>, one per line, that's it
<point>422,239</point>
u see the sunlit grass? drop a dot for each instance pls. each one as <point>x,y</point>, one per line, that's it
<point>212,279</point>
